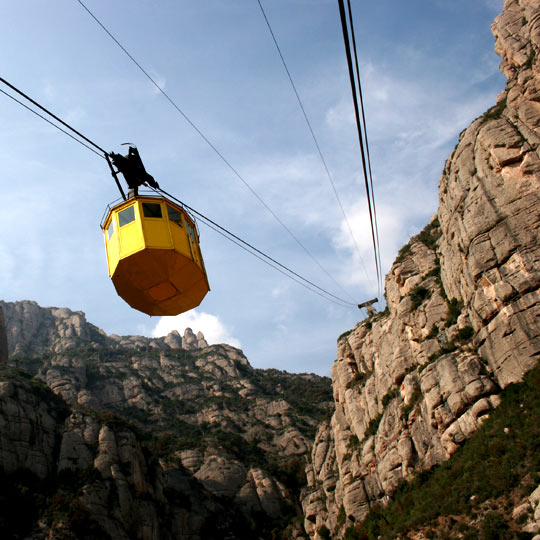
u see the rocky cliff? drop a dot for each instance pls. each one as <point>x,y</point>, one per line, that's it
<point>462,322</point>
<point>134,437</point>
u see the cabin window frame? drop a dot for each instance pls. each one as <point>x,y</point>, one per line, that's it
<point>178,222</point>
<point>110,230</point>
<point>123,212</point>
<point>146,206</point>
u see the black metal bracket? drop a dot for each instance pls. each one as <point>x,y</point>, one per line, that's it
<point>115,176</point>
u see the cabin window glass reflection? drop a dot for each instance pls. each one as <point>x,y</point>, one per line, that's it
<point>174,216</point>
<point>151,210</point>
<point>110,230</point>
<point>190,231</point>
<point>126,216</point>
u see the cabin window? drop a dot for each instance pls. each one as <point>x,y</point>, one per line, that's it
<point>126,216</point>
<point>174,216</point>
<point>110,230</point>
<point>151,210</point>
<point>191,232</point>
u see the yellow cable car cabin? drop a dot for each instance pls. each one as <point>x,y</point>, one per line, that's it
<point>153,255</point>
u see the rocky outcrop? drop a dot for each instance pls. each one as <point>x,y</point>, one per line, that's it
<point>32,328</point>
<point>462,322</point>
<point>210,421</point>
<point>106,481</point>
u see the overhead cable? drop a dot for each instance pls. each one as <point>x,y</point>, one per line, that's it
<point>50,114</point>
<point>252,249</point>
<point>49,122</point>
<point>213,147</point>
<point>364,125</point>
<point>302,108</point>
<point>291,274</point>
<point>355,85</point>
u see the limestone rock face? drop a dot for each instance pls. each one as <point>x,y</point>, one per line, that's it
<point>215,429</point>
<point>411,384</point>
<point>114,485</point>
<point>21,412</point>
<point>32,327</point>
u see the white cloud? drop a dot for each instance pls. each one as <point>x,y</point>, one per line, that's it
<point>393,233</point>
<point>210,325</point>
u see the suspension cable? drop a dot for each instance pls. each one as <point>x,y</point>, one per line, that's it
<point>213,147</point>
<point>364,125</point>
<point>210,223</point>
<point>51,123</point>
<point>52,115</point>
<point>302,108</point>
<point>370,200</point>
<point>252,249</point>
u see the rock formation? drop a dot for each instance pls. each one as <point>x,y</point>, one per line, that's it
<point>147,422</point>
<point>33,328</point>
<point>462,322</point>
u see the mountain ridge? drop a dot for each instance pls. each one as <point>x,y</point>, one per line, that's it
<point>197,415</point>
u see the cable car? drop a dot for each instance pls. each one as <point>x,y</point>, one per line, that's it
<point>152,246</point>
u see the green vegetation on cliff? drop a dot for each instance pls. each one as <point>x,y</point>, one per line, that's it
<point>469,496</point>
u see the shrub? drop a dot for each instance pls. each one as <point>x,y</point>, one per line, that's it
<point>344,335</point>
<point>402,253</point>
<point>495,111</point>
<point>418,295</point>
<point>389,397</point>
<point>454,311</point>
<point>494,526</point>
<point>341,517</point>
<point>466,333</point>
<point>406,409</point>
<point>434,332</point>
<point>323,532</point>
<point>358,378</point>
<point>430,234</point>
<point>373,426</point>
<point>489,465</point>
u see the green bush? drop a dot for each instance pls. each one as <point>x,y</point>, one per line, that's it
<point>358,379</point>
<point>495,111</point>
<point>489,465</point>
<point>455,307</point>
<point>418,295</point>
<point>341,517</point>
<point>344,335</point>
<point>402,253</point>
<point>389,397</point>
<point>373,426</point>
<point>430,234</point>
<point>465,333</point>
<point>494,526</point>
<point>323,532</point>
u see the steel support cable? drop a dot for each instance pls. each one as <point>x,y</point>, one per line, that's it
<point>51,115</point>
<point>51,123</point>
<point>210,223</point>
<point>253,248</point>
<point>359,128</point>
<point>262,259</point>
<point>351,24</point>
<point>313,135</point>
<point>213,147</point>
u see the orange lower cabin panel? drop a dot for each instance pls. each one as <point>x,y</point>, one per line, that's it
<point>160,282</point>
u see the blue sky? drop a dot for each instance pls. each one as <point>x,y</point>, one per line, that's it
<point>428,69</point>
